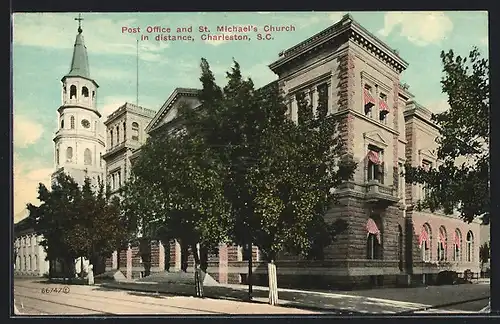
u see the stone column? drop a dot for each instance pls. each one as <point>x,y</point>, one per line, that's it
<point>129,262</point>
<point>161,257</point>
<point>114,265</point>
<point>314,100</point>
<point>223,264</point>
<point>177,255</point>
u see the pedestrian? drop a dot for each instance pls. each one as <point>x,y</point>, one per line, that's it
<point>90,275</point>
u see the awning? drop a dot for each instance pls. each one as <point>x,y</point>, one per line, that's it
<point>368,99</point>
<point>372,228</point>
<point>456,240</point>
<point>442,238</point>
<point>384,108</point>
<point>424,237</point>
<point>373,157</point>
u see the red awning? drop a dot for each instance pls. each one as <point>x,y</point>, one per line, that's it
<point>442,238</point>
<point>368,98</point>
<point>424,237</point>
<point>372,228</point>
<point>373,157</point>
<point>384,108</point>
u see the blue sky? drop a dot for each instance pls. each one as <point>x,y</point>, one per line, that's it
<point>43,44</point>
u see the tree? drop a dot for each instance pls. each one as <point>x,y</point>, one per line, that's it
<point>279,175</point>
<point>484,253</point>
<point>463,142</point>
<point>187,197</point>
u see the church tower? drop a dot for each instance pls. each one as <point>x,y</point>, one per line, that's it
<point>79,141</point>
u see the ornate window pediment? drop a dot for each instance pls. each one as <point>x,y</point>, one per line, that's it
<point>376,138</point>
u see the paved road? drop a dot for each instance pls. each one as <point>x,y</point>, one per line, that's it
<point>86,300</point>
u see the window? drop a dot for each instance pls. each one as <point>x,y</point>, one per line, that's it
<point>28,240</point>
<point>441,246</point>
<point>135,131</point>
<point>87,157</point>
<point>93,95</point>
<point>72,122</point>
<point>113,181</point>
<point>100,159</point>
<point>18,262</point>
<point>368,100</point>
<point>62,123</point>
<point>117,135</point>
<point>401,181</point>
<point>426,165</point>
<point>72,92</point>
<point>375,164</point>
<point>119,179</point>
<point>85,123</point>
<point>457,246</point>
<point>99,180</point>
<point>425,240</point>
<point>111,137</point>
<point>35,262</point>
<point>57,156</point>
<point>69,154</point>
<point>85,92</point>
<point>29,262</point>
<point>400,247</point>
<point>374,241</point>
<point>323,97</point>
<point>469,253</point>
<point>383,108</point>
<point>25,263</point>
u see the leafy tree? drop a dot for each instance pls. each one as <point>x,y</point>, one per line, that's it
<point>463,143</point>
<point>187,195</point>
<point>279,176</point>
<point>484,253</point>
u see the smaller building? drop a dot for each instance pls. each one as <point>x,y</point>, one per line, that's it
<point>29,255</point>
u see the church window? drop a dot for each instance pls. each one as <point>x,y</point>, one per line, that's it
<point>135,131</point>
<point>72,92</point>
<point>85,92</point>
<point>62,123</point>
<point>72,122</point>
<point>87,157</point>
<point>57,156</point>
<point>69,154</point>
<point>469,251</point>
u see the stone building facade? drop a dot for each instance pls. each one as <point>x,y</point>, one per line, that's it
<point>388,242</point>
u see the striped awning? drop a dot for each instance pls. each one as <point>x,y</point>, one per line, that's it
<point>424,237</point>
<point>442,238</point>
<point>371,228</point>
<point>368,98</point>
<point>384,108</point>
<point>373,157</point>
<point>456,240</point>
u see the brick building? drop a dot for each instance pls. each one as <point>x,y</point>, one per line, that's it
<point>388,242</point>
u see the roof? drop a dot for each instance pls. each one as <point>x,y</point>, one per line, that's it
<point>80,61</point>
<point>131,108</point>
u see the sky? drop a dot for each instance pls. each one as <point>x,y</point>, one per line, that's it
<point>43,46</point>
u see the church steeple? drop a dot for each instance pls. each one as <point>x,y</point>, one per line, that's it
<point>80,62</point>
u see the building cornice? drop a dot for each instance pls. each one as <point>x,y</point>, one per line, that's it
<point>169,103</point>
<point>75,135</point>
<point>129,108</point>
<point>63,107</point>
<point>350,29</point>
<point>415,110</point>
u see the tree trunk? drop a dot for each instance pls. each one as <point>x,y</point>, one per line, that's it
<point>273,283</point>
<point>184,256</point>
<point>198,276</point>
<point>81,268</point>
<point>250,273</point>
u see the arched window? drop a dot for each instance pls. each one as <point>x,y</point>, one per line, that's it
<point>29,262</point>
<point>457,246</point>
<point>425,240</point>
<point>85,92</point>
<point>87,157</point>
<point>72,122</point>
<point>93,95</point>
<point>135,131</point>
<point>72,92</point>
<point>400,247</point>
<point>442,244</point>
<point>62,123</point>
<point>374,240</point>
<point>57,156</point>
<point>469,253</point>
<point>25,263</point>
<point>35,262</point>
<point>69,154</point>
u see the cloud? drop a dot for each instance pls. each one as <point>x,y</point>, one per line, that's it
<point>420,28</point>
<point>26,131</point>
<point>27,176</point>
<point>49,30</point>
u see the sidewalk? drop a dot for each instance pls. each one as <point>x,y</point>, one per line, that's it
<point>340,303</point>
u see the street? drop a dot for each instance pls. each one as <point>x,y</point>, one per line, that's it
<point>87,300</point>
<point>34,297</point>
